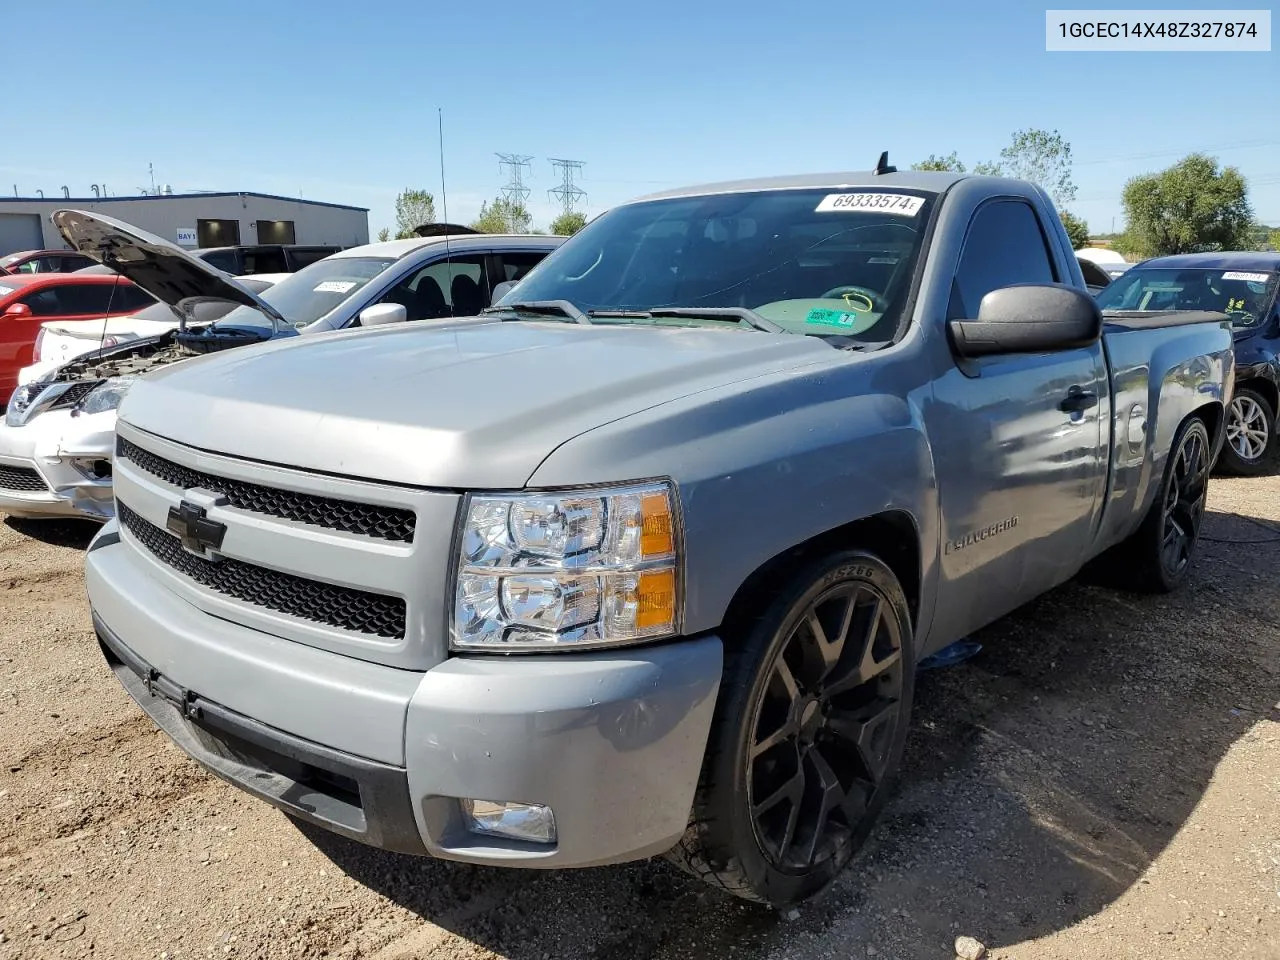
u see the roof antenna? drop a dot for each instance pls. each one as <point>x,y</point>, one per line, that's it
<point>882,166</point>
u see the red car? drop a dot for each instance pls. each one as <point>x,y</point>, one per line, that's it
<point>44,261</point>
<point>28,300</point>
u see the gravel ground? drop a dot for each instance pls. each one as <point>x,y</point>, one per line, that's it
<point>1103,780</point>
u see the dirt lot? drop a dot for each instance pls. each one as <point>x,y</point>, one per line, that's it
<point>1103,780</point>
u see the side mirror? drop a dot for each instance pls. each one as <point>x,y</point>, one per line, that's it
<point>1028,318</point>
<point>502,289</point>
<point>17,310</point>
<point>381,313</point>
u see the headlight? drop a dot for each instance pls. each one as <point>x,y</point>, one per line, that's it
<point>577,569</point>
<point>106,395</point>
<point>15,414</point>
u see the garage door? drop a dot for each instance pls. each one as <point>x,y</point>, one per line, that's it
<point>20,231</point>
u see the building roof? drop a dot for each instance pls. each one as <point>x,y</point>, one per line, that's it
<point>71,201</point>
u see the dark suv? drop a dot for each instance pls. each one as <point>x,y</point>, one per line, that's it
<point>265,257</point>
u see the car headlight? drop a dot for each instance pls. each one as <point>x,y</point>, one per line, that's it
<point>567,570</point>
<point>15,414</point>
<point>106,395</point>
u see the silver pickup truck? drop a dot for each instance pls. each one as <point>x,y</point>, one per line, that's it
<point>641,560</point>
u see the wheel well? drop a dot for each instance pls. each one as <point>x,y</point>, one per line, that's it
<point>891,536</point>
<point>1214,416</point>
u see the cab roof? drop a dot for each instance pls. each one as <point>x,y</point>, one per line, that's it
<point>52,279</point>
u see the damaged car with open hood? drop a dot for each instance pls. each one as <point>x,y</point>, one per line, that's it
<point>58,436</point>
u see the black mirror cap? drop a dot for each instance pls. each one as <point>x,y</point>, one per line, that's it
<point>1029,318</point>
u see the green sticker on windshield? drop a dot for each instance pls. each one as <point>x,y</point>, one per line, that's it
<point>831,318</point>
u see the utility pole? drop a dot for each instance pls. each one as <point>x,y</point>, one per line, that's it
<point>568,193</point>
<point>515,192</point>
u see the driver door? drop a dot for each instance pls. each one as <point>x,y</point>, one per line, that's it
<point>1021,459</point>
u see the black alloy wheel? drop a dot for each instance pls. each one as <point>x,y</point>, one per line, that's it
<point>810,727</point>
<point>823,727</point>
<point>1184,500</point>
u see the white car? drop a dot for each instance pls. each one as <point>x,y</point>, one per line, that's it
<point>58,438</point>
<point>60,341</point>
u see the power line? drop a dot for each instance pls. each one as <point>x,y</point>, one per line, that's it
<point>1211,148</point>
<point>568,193</point>
<point>515,192</point>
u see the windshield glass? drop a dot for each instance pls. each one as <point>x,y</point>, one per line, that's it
<point>818,261</point>
<point>1244,295</point>
<point>306,296</point>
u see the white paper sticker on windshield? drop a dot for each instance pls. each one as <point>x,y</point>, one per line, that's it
<point>899,203</point>
<point>1251,277</point>
<point>335,286</point>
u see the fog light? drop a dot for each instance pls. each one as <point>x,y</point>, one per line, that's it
<point>517,821</point>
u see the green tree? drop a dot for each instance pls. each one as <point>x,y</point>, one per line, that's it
<point>1190,207</point>
<point>568,223</point>
<point>1077,230</point>
<point>1042,157</point>
<point>1273,239</point>
<point>384,235</point>
<point>414,208</point>
<point>502,216</point>
<point>949,162</point>
<point>988,168</point>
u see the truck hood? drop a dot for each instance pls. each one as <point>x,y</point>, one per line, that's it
<point>472,404</point>
<point>163,269</point>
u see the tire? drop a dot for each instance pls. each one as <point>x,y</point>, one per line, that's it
<point>1251,430</point>
<point>817,724</point>
<point>1145,562</point>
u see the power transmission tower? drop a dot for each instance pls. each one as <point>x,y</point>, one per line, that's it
<point>515,192</point>
<point>568,193</point>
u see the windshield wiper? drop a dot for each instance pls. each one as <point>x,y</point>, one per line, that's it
<point>561,308</point>
<point>736,314</point>
<point>732,314</point>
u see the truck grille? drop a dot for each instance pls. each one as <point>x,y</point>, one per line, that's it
<point>362,519</point>
<point>356,610</point>
<point>21,478</point>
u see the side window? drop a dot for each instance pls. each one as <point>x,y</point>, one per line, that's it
<point>456,287</point>
<point>76,298</point>
<point>1004,246</point>
<point>224,260</point>
<point>264,261</point>
<point>44,303</point>
<point>516,265</point>
<point>74,261</point>
<point>129,299</point>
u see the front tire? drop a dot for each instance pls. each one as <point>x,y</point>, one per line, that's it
<point>808,736</point>
<point>1250,430</point>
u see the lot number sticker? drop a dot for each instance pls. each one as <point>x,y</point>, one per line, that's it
<point>900,203</point>
<point>334,286</point>
<point>1250,277</point>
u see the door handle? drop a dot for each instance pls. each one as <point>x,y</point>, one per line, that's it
<point>1077,400</point>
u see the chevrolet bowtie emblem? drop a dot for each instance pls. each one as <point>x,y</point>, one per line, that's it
<point>198,533</point>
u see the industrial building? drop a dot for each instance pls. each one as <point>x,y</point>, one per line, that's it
<point>192,219</point>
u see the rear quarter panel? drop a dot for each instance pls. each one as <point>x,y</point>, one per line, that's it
<point>1159,376</point>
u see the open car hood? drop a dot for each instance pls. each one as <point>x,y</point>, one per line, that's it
<point>161,268</point>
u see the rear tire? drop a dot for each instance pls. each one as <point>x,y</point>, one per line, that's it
<point>1157,557</point>
<point>808,734</point>
<point>1250,429</point>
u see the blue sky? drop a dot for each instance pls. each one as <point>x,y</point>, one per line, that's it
<point>338,102</point>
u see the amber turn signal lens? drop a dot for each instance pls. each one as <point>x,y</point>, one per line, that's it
<point>656,539</point>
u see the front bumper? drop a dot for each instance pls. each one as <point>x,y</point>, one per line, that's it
<point>61,450</point>
<point>611,742</point>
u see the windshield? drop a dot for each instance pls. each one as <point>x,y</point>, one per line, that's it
<point>812,261</point>
<point>1244,295</point>
<point>306,296</point>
